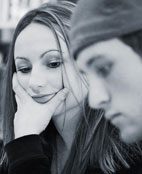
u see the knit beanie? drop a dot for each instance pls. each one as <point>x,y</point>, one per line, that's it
<point>98,20</point>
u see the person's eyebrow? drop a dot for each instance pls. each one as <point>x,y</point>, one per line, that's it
<point>41,56</point>
<point>95,59</point>
<point>53,50</point>
<point>24,58</point>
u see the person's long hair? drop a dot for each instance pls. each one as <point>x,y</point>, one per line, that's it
<point>96,143</point>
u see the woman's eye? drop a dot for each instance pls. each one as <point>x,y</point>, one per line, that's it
<point>24,70</point>
<point>54,64</point>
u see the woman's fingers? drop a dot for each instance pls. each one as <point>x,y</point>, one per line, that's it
<point>18,88</point>
<point>57,100</point>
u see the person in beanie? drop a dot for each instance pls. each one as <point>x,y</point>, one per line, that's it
<point>106,40</point>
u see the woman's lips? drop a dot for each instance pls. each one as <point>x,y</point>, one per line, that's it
<point>43,98</point>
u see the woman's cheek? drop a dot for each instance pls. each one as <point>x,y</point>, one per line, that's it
<point>75,83</point>
<point>23,80</point>
<point>54,79</point>
<point>68,75</point>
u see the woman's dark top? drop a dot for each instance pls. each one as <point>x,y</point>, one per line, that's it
<point>26,156</point>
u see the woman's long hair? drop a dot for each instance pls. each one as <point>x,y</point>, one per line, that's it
<point>96,143</point>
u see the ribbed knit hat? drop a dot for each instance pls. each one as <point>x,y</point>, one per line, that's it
<point>97,20</point>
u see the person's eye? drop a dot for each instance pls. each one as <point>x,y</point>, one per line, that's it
<point>104,70</point>
<point>54,64</point>
<point>24,70</point>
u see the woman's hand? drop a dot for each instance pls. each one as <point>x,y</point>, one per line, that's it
<point>32,117</point>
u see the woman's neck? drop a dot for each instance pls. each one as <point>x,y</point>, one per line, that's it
<point>66,125</point>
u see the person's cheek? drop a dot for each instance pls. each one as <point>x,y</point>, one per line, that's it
<point>69,75</point>
<point>54,79</point>
<point>74,82</point>
<point>23,80</point>
<point>65,79</point>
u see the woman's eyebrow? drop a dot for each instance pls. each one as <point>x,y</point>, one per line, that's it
<point>24,58</point>
<point>41,56</point>
<point>53,50</point>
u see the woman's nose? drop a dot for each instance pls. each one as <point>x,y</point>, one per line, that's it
<point>37,81</point>
<point>99,96</point>
<point>36,89</point>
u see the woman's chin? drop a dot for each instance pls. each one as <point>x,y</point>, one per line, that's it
<point>43,99</point>
<point>61,109</point>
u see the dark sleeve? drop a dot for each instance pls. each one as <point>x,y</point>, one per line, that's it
<point>26,156</point>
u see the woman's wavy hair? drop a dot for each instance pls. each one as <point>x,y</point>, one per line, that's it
<point>96,143</point>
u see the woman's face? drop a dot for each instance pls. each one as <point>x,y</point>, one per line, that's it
<point>114,73</point>
<point>40,69</point>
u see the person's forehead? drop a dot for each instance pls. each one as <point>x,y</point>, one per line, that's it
<point>109,49</point>
<point>30,37</point>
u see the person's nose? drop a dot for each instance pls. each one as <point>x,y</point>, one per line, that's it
<point>99,96</point>
<point>37,81</point>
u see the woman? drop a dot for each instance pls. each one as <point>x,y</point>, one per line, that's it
<point>46,129</point>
